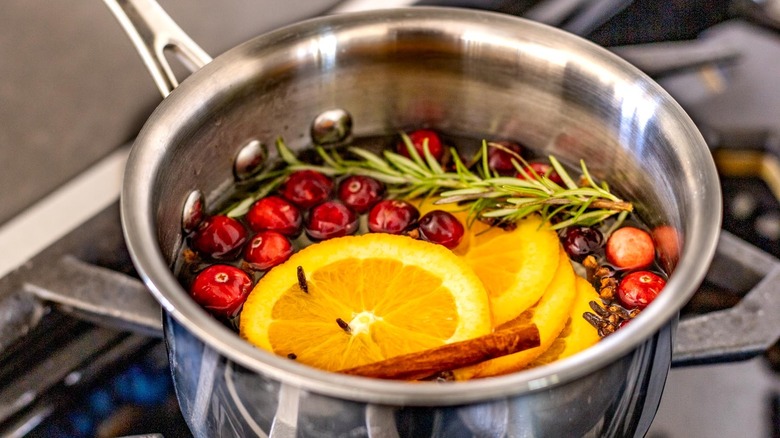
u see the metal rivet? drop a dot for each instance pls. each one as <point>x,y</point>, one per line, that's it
<point>249,160</point>
<point>331,126</point>
<point>192,214</point>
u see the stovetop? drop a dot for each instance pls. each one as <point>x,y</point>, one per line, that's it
<point>66,132</point>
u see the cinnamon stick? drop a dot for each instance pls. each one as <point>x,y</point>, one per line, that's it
<point>414,366</point>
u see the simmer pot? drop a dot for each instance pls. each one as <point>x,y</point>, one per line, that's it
<point>459,71</point>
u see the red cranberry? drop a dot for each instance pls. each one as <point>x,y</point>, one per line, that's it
<point>630,248</point>
<point>500,159</point>
<point>579,241</point>
<point>541,169</point>
<point>392,216</point>
<point>441,227</point>
<point>638,289</point>
<point>306,188</point>
<point>418,139</point>
<point>267,249</point>
<point>221,289</point>
<point>276,214</point>
<point>331,219</point>
<point>360,193</point>
<point>218,237</point>
<point>667,243</point>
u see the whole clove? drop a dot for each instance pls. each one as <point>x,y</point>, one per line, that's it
<point>344,325</point>
<point>302,280</point>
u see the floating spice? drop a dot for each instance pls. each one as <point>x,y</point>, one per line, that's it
<point>437,361</point>
<point>608,316</point>
<point>302,280</point>
<point>344,325</point>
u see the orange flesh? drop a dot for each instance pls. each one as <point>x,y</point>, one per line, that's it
<point>386,318</point>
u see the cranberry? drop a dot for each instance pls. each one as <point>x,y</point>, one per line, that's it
<point>306,188</point>
<point>441,227</point>
<point>638,289</point>
<point>267,249</point>
<point>392,216</point>
<point>418,139</point>
<point>541,169</point>
<point>218,237</point>
<point>500,159</point>
<point>630,248</point>
<point>276,214</point>
<point>579,241</point>
<point>221,289</point>
<point>360,193</point>
<point>331,219</point>
<point>667,243</point>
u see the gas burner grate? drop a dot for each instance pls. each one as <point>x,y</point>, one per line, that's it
<point>750,181</point>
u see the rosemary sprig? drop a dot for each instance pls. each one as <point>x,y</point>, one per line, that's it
<point>485,194</point>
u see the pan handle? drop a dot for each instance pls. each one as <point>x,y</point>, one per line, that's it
<point>153,33</point>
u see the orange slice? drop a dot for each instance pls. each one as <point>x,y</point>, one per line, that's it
<point>577,334</point>
<point>391,295</point>
<point>516,266</point>
<point>549,315</point>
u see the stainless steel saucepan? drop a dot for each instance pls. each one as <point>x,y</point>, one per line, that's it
<point>458,71</point>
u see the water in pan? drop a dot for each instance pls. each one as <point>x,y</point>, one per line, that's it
<point>203,255</point>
